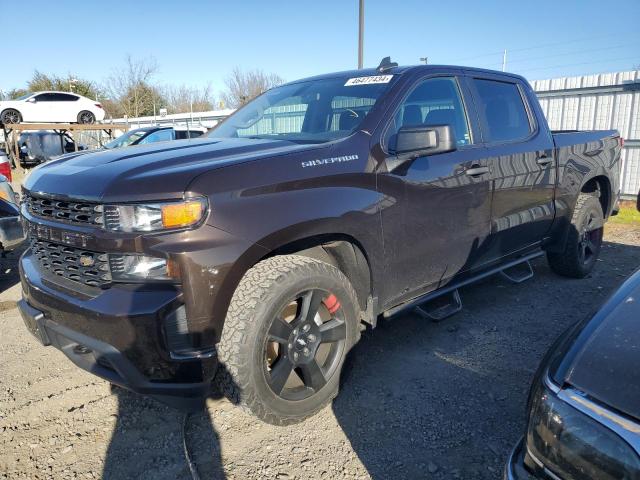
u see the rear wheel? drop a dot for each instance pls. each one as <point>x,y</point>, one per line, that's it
<point>10,116</point>
<point>86,117</point>
<point>290,325</point>
<point>584,240</point>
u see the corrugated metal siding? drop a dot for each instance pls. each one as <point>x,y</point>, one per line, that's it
<point>598,102</point>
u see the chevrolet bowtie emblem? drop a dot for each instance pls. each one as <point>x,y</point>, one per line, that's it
<point>87,260</point>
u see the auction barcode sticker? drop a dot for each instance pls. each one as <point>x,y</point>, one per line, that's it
<point>368,80</point>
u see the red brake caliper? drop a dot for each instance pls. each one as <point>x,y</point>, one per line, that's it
<point>332,304</point>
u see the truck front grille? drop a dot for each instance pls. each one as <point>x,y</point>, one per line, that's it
<point>75,264</point>
<point>78,213</point>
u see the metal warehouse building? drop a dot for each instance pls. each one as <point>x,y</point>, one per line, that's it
<point>598,102</point>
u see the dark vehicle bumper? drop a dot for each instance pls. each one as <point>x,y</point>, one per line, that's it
<point>11,233</point>
<point>514,469</point>
<point>116,335</point>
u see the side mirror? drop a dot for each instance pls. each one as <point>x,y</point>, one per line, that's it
<point>32,100</point>
<point>425,140</point>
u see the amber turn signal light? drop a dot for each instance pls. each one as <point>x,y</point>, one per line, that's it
<point>183,214</point>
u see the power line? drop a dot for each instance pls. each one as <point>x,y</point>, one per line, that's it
<point>536,47</point>
<point>609,60</point>
<point>574,52</point>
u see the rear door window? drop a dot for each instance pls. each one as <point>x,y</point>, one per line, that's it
<point>505,114</point>
<point>184,134</point>
<point>63,97</point>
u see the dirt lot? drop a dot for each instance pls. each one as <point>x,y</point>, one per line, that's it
<point>420,399</point>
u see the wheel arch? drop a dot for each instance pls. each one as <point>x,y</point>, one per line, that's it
<point>343,252</point>
<point>338,249</point>
<point>601,185</point>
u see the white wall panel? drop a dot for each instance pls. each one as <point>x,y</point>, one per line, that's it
<point>610,103</point>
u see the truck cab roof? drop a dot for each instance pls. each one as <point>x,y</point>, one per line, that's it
<point>406,69</point>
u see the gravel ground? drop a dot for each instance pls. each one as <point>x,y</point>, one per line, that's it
<point>419,399</point>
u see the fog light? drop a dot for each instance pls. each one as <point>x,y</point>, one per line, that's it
<point>142,267</point>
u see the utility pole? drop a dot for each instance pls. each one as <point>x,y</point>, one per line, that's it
<point>504,60</point>
<point>361,34</point>
<point>425,60</point>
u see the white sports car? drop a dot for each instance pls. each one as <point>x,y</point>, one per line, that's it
<point>58,107</point>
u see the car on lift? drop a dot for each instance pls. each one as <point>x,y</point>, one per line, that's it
<point>253,257</point>
<point>584,405</point>
<point>51,107</point>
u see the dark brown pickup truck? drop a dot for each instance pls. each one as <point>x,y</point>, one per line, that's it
<point>253,257</point>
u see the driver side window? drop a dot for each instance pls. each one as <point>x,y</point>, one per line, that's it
<point>435,101</point>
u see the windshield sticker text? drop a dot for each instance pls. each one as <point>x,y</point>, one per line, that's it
<point>327,161</point>
<point>368,80</point>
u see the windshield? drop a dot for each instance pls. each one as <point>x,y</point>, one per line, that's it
<point>24,97</point>
<point>126,139</point>
<point>316,111</point>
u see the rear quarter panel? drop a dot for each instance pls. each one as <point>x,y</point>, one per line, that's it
<point>582,156</point>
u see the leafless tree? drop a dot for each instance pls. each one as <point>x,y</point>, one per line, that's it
<point>130,88</point>
<point>243,86</point>
<point>182,99</point>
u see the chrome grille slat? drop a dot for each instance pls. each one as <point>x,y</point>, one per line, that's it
<point>74,212</point>
<point>64,261</point>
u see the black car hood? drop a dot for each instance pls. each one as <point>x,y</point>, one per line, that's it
<point>147,172</point>
<point>604,360</point>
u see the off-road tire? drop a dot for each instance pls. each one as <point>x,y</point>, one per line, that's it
<point>260,295</point>
<point>571,262</point>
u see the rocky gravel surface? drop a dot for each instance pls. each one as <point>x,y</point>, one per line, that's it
<point>419,399</point>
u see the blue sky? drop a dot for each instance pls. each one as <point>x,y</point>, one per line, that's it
<point>199,42</point>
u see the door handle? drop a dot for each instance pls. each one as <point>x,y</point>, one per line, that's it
<point>544,161</point>
<point>476,171</point>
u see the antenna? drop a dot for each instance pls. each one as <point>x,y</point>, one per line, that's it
<point>386,64</point>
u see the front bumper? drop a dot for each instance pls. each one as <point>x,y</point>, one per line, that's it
<point>11,233</point>
<point>515,469</point>
<point>115,334</point>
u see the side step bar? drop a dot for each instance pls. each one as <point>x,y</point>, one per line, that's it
<point>456,285</point>
<point>518,273</point>
<point>440,308</point>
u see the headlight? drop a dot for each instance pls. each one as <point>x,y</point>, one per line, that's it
<point>142,267</point>
<point>572,445</point>
<point>155,216</point>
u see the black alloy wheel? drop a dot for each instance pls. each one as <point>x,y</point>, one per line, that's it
<point>304,345</point>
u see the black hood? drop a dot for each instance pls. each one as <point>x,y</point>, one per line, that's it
<point>603,358</point>
<point>150,172</point>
